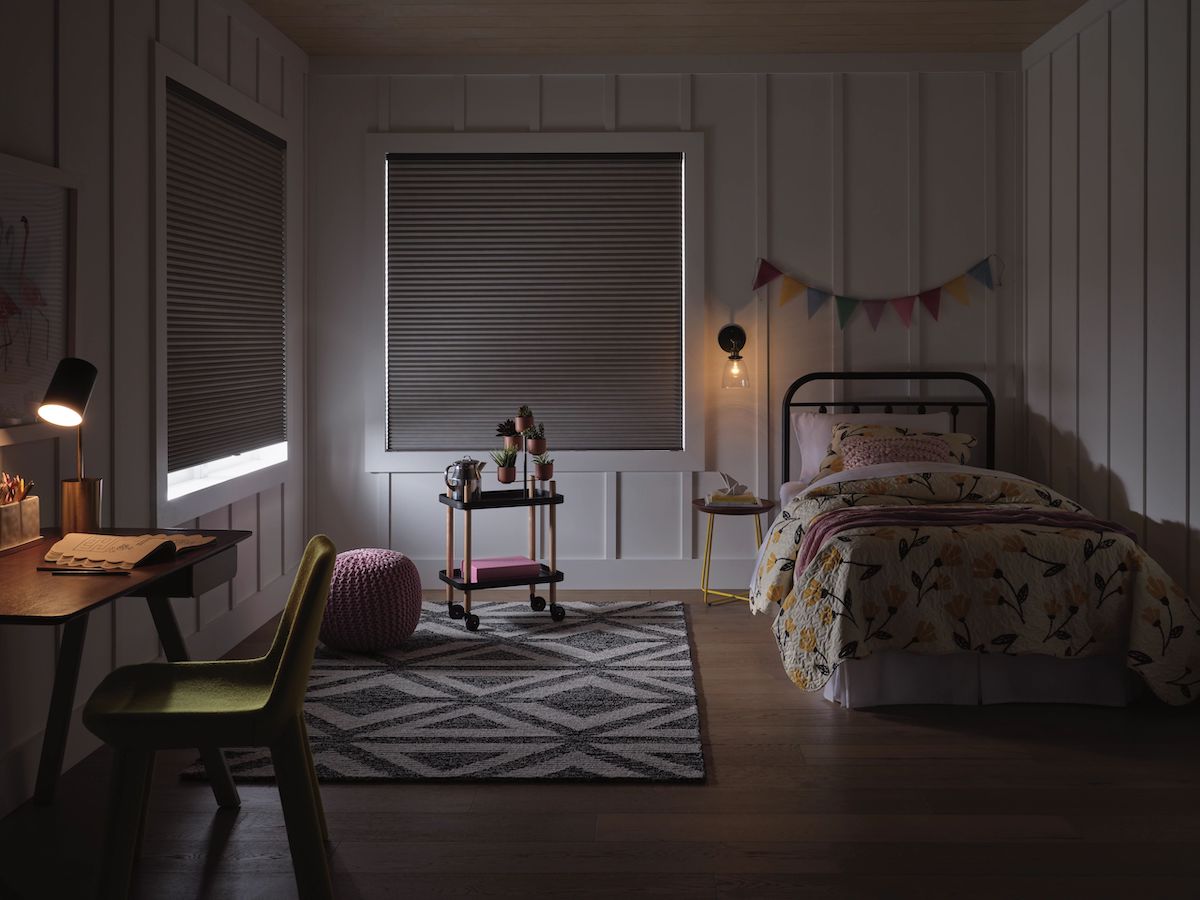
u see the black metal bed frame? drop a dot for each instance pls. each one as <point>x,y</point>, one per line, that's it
<point>988,401</point>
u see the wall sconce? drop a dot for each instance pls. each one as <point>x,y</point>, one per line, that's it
<point>65,402</point>
<point>732,338</point>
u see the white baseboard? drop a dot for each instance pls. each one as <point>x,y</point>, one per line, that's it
<point>19,764</point>
<point>634,574</point>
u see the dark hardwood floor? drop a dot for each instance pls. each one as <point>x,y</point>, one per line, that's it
<point>804,800</point>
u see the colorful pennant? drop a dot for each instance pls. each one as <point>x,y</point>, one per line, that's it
<point>959,288</point>
<point>845,309</point>
<point>875,309</point>
<point>790,289</point>
<point>765,274</point>
<point>816,299</point>
<point>932,301</point>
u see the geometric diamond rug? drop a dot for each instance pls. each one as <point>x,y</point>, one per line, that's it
<point>608,693</point>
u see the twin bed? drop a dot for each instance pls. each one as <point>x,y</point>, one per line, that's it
<point>937,580</point>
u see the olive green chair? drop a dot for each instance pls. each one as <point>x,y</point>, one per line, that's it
<point>228,703</point>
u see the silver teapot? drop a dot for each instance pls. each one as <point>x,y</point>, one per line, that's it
<point>465,478</point>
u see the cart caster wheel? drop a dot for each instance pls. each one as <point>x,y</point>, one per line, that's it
<point>456,611</point>
<point>472,622</point>
<point>537,604</point>
<point>557,613</point>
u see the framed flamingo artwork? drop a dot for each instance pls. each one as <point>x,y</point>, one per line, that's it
<point>35,283</point>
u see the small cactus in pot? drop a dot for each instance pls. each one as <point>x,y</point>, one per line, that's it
<point>535,439</point>
<point>524,419</point>
<point>543,467</point>
<point>506,464</point>
<point>508,430</point>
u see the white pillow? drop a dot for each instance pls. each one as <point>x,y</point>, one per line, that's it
<point>813,431</point>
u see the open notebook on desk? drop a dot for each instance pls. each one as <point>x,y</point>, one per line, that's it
<point>120,551</point>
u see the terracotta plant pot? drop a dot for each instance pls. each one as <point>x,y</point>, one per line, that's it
<point>543,471</point>
<point>512,441</point>
<point>523,422</point>
<point>535,445</point>
<point>506,475</point>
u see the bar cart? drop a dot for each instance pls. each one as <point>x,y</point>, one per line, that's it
<point>457,579</point>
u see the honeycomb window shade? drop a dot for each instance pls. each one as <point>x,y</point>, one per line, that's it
<point>225,281</point>
<point>553,280</point>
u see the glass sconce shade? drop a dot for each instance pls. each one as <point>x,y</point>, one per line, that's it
<point>732,338</point>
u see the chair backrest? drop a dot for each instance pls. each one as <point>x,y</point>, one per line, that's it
<point>295,642</point>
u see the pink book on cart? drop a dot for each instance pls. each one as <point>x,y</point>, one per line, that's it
<point>500,568</point>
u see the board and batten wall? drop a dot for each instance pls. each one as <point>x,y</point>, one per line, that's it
<point>1112,218</point>
<point>59,109</point>
<point>875,176</point>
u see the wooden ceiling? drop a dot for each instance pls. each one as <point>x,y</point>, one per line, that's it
<point>652,27</point>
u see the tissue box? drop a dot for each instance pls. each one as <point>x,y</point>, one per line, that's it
<point>20,522</point>
<point>500,568</point>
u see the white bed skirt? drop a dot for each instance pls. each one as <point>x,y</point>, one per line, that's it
<point>896,678</point>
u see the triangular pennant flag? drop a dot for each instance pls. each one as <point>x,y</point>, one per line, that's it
<point>816,299</point>
<point>982,272</point>
<point>932,301</point>
<point>790,289</point>
<point>765,275</point>
<point>904,309</point>
<point>875,309</point>
<point>845,309</point>
<point>959,290</point>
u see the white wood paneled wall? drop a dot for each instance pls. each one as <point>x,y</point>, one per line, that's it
<point>101,137</point>
<point>1113,347</point>
<point>885,179</point>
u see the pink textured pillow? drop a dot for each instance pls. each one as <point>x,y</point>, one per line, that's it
<point>872,451</point>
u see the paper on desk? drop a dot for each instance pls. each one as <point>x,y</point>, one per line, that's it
<point>116,551</point>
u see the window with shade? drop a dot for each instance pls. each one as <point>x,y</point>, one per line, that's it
<point>226,250</point>
<point>549,279</point>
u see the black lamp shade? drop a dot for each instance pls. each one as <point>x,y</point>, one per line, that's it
<point>67,396</point>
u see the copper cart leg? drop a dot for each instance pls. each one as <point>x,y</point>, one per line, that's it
<point>707,560</point>
<point>472,620</point>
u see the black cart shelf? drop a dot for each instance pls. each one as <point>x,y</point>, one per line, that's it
<point>454,577</point>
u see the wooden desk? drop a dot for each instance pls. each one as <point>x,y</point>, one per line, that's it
<point>30,597</point>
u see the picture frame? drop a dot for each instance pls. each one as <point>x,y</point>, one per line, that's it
<point>37,290</point>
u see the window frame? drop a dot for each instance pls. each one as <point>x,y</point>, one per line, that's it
<point>690,144</point>
<point>168,65</point>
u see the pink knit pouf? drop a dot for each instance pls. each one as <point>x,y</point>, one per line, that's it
<point>374,601</point>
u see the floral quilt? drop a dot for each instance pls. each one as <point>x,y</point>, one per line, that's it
<point>997,584</point>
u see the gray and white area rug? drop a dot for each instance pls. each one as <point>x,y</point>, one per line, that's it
<point>608,693</point>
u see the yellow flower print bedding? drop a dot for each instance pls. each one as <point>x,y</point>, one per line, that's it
<point>967,561</point>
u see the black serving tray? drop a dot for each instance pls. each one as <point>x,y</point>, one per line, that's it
<point>545,576</point>
<point>503,500</point>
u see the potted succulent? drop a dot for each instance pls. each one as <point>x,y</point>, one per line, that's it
<point>543,467</point>
<point>506,464</point>
<point>535,438</point>
<point>508,430</point>
<point>524,419</point>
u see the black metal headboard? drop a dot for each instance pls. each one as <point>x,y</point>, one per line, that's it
<point>986,400</point>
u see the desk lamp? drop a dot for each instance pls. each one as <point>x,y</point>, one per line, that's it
<point>64,405</point>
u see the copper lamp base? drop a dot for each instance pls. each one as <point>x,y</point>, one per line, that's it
<point>81,504</point>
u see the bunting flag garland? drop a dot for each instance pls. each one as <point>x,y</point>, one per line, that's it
<point>904,309</point>
<point>845,309</point>
<point>958,287</point>
<point>875,310</point>
<point>932,301</point>
<point>982,272</point>
<point>765,274</point>
<point>790,289</point>
<point>816,299</point>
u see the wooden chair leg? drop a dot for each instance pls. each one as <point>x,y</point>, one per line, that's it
<point>309,861</point>
<point>130,797</point>
<point>316,784</point>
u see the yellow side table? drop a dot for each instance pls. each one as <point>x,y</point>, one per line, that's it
<point>764,506</point>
